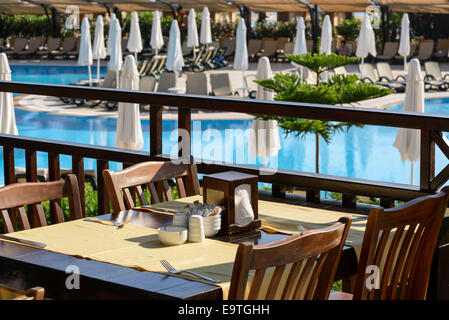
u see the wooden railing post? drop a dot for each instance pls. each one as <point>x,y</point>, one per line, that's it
<point>427,164</point>
<point>9,171</point>
<point>103,199</point>
<point>184,123</point>
<point>54,174</point>
<point>155,129</point>
<point>78,170</point>
<point>31,176</point>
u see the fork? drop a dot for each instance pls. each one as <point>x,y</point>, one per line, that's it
<point>117,224</point>
<point>171,269</point>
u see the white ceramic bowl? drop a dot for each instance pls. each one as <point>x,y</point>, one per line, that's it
<point>172,235</point>
<point>212,225</point>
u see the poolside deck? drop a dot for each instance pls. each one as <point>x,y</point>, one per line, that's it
<point>55,106</point>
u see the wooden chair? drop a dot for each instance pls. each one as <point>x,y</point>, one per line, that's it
<point>401,243</point>
<point>36,293</point>
<point>313,255</point>
<point>16,196</point>
<point>154,175</point>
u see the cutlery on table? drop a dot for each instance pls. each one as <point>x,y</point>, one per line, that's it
<point>117,224</point>
<point>32,243</point>
<point>148,208</point>
<point>171,269</point>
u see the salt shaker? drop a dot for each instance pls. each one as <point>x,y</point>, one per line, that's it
<point>196,228</point>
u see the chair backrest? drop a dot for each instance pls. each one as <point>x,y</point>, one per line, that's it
<point>433,69</point>
<point>367,71</point>
<point>304,263</point>
<point>68,44</point>
<point>254,46</point>
<point>289,47</point>
<point>249,81</point>
<point>229,44</point>
<point>20,44</point>
<point>16,196</point>
<point>390,49</point>
<point>413,48</point>
<point>384,70</point>
<point>154,175</point>
<point>109,79</point>
<point>270,47</point>
<point>443,45</point>
<point>220,84</point>
<point>53,43</point>
<point>142,67</point>
<point>352,45</point>
<point>400,242</point>
<point>36,293</point>
<point>196,83</point>
<point>425,49</point>
<point>34,44</point>
<point>282,41</point>
<point>340,70</point>
<point>166,81</point>
<point>147,83</point>
<point>334,46</point>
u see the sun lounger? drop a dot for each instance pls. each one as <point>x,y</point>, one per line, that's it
<point>254,47</point>
<point>269,50</point>
<point>221,84</point>
<point>196,83</point>
<point>52,45</point>
<point>19,45</point>
<point>33,46</point>
<point>166,81</point>
<point>390,50</point>
<point>68,45</point>
<point>309,45</point>
<point>434,78</point>
<point>147,83</point>
<point>251,85</point>
<point>441,49</point>
<point>368,75</point>
<point>410,55</point>
<point>425,50</point>
<point>386,74</point>
<point>229,44</point>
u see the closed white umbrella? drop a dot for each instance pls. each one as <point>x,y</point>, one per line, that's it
<point>109,41</point>
<point>116,59</point>
<point>192,32</point>
<point>129,130</point>
<point>175,59</point>
<point>366,43</point>
<point>404,44</point>
<point>135,38</point>
<point>206,32</point>
<point>300,43</point>
<point>7,116</point>
<point>264,140</point>
<point>408,141</point>
<point>99,49</point>
<point>85,57</point>
<point>326,40</point>
<point>157,40</point>
<point>241,51</point>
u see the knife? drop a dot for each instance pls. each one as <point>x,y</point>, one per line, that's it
<point>156,209</point>
<point>32,243</point>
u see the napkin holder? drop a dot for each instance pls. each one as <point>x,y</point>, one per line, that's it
<point>220,189</point>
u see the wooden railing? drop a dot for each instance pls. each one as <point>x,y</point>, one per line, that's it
<point>431,127</point>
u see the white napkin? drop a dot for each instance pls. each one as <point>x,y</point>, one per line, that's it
<point>243,211</point>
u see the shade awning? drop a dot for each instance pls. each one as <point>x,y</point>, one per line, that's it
<point>342,5</point>
<point>273,5</point>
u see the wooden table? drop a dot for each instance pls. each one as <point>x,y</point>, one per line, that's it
<point>23,267</point>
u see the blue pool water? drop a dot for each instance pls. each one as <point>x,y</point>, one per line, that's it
<point>365,153</point>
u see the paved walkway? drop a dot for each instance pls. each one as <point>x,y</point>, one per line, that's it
<point>56,106</point>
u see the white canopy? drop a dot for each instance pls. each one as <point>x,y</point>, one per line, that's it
<point>192,30</point>
<point>175,60</point>
<point>116,59</point>
<point>241,50</point>
<point>109,40</point>
<point>366,43</point>
<point>85,57</point>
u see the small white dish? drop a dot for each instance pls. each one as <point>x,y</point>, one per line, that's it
<point>172,235</point>
<point>212,224</point>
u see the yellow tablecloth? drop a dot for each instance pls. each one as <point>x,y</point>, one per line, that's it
<point>139,247</point>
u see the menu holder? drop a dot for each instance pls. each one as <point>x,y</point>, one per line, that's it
<point>220,189</point>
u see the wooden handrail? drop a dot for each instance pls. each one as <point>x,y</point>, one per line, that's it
<point>367,116</point>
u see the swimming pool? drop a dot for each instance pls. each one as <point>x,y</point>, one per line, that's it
<point>365,153</point>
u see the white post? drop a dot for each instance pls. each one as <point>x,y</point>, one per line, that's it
<point>194,53</point>
<point>117,80</point>
<point>244,84</point>
<point>90,76</point>
<point>98,70</point>
<point>135,56</point>
<point>412,172</point>
<point>405,64</point>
